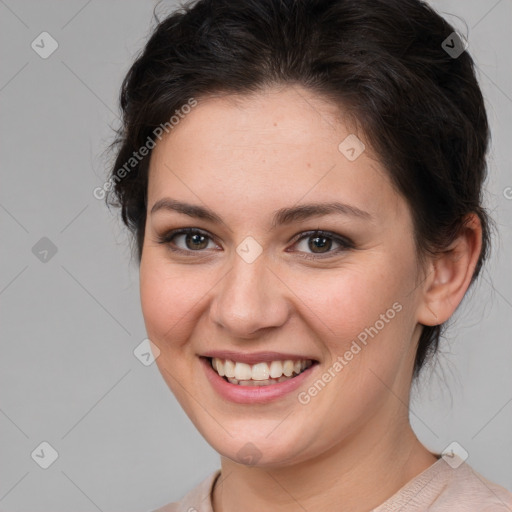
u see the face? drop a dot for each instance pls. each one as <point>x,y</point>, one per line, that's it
<point>329,297</point>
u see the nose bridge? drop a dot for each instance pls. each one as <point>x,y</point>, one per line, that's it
<point>250,297</point>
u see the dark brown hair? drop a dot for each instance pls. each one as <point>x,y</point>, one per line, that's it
<point>419,105</point>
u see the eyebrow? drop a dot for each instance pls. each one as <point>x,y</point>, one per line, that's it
<point>280,217</point>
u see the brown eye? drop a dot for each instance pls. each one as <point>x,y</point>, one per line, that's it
<point>186,240</point>
<point>321,243</point>
<point>196,241</point>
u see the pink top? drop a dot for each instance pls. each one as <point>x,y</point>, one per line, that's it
<point>440,488</point>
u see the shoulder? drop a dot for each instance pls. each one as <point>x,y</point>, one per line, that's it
<point>470,491</point>
<point>197,500</point>
<point>447,487</point>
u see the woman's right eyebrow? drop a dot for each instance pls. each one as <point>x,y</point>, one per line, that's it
<point>192,210</point>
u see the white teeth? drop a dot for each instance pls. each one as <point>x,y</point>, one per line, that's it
<point>229,368</point>
<point>260,371</point>
<point>260,374</point>
<point>288,368</point>
<point>219,367</point>
<point>243,371</point>
<point>258,383</point>
<point>276,369</point>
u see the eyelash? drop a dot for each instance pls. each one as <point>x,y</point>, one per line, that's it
<point>345,243</point>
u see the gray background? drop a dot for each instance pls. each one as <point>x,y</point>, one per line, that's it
<point>69,325</point>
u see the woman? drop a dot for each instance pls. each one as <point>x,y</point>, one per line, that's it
<point>303,180</point>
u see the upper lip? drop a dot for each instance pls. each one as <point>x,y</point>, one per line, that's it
<point>255,357</point>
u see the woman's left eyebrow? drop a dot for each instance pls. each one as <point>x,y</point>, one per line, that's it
<point>282,216</point>
<point>306,211</point>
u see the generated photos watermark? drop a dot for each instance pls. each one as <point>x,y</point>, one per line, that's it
<point>143,151</point>
<point>304,397</point>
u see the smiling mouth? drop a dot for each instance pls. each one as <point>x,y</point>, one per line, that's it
<point>259,374</point>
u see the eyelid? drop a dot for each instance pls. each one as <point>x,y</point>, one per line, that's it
<point>344,242</point>
<point>166,238</point>
<point>321,232</point>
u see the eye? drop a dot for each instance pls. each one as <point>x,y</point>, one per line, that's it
<point>321,242</point>
<point>192,240</point>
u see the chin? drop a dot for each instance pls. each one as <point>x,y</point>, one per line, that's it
<point>262,448</point>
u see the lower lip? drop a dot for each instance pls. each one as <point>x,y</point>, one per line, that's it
<point>252,394</point>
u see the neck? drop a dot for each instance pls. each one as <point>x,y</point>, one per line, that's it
<point>360,474</point>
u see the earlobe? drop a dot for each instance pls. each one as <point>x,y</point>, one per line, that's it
<point>436,322</point>
<point>451,274</point>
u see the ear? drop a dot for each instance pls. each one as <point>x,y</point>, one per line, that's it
<point>449,274</point>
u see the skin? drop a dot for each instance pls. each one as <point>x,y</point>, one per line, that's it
<point>245,157</point>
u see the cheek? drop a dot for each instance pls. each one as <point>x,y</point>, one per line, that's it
<point>364,316</point>
<point>154,296</point>
<point>169,298</point>
<point>174,300</point>
<point>350,300</point>
<point>364,322</point>
<point>169,301</point>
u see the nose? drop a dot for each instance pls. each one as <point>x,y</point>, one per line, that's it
<point>249,300</point>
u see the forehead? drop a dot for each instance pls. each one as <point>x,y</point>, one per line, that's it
<point>263,121</point>
<point>267,150</point>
